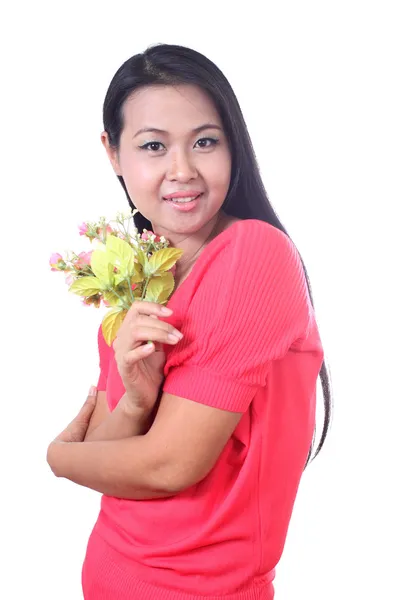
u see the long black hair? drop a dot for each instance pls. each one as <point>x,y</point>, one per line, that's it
<point>166,64</point>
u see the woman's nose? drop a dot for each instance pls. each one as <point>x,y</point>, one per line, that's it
<point>181,168</point>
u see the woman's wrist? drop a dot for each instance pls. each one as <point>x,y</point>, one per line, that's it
<point>126,420</point>
<point>137,414</point>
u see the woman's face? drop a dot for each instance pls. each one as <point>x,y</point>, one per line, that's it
<point>172,142</point>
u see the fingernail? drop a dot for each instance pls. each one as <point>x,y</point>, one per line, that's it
<point>173,338</point>
<point>92,391</point>
<point>166,311</point>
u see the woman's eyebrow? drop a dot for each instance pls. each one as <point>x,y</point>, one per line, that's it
<point>149,130</point>
<point>162,131</point>
<point>207,126</point>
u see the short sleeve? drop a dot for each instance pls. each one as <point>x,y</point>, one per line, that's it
<point>250,306</point>
<point>104,360</point>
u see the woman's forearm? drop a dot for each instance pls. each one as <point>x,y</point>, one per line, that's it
<point>124,468</point>
<point>122,422</point>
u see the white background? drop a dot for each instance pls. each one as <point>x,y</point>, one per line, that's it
<point>318,85</point>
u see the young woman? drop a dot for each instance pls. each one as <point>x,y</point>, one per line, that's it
<point>198,447</point>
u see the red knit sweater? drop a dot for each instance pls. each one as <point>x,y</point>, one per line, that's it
<point>250,345</point>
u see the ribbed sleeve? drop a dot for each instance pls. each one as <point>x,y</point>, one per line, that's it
<point>104,360</point>
<point>251,304</point>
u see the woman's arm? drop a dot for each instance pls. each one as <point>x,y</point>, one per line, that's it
<point>179,450</point>
<point>76,431</point>
<point>123,422</point>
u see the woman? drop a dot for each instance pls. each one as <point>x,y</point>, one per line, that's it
<point>199,445</point>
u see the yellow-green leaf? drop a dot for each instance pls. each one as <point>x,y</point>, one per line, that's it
<point>111,323</point>
<point>137,292</point>
<point>160,288</point>
<point>111,274</point>
<point>137,275</point>
<point>118,278</point>
<point>162,260</point>
<point>100,263</point>
<point>86,286</point>
<point>122,254</point>
<point>141,256</point>
<point>112,299</point>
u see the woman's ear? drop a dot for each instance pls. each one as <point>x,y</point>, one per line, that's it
<point>112,153</point>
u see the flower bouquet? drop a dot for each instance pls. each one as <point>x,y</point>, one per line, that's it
<point>124,267</point>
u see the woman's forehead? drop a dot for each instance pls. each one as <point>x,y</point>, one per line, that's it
<point>166,107</point>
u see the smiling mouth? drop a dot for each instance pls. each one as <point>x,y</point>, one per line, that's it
<point>183,200</point>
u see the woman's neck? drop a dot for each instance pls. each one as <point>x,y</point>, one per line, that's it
<point>193,244</point>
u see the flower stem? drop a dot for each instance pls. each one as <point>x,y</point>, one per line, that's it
<point>130,289</point>
<point>145,288</point>
<point>120,297</point>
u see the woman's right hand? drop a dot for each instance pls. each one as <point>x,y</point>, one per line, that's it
<point>141,365</point>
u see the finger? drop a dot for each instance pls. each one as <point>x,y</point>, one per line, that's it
<point>158,346</point>
<point>154,334</point>
<point>88,407</point>
<point>152,321</point>
<point>138,354</point>
<point>144,328</point>
<point>81,419</point>
<point>147,308</point>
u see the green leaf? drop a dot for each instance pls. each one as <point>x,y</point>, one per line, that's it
<point>100,263</point>
<point>111,323</point>
<point>141,256</point>
<point>118,278</point>
<point>137,292</point>
<point>112,299</point>
<point>137,275</point>
<point>86,286</point>
<point>122,255</point>
<point>111,274</point>
<point>162,260</point>
<point>160,288</point>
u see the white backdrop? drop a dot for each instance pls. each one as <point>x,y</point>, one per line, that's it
<point>318,84</point>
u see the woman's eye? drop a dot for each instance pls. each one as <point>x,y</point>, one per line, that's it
<point>207,142</point>
<point>156,147</point>
<point>152,146</point>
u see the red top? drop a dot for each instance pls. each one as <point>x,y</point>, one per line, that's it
<point>250,345</point>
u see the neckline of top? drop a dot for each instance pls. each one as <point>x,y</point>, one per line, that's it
<point>202,256</point>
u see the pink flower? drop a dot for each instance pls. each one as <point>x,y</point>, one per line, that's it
<point>133,286</point>
<point>69,280</point>
<point>146,235</point>
<point>83,259</point>
<point>83,229</point>
<point>56,262</point>
<point>101,232</point>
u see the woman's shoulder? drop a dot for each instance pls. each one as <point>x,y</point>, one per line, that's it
<point>241,243</point>
<point>252,234</point>
<point>247,226</point>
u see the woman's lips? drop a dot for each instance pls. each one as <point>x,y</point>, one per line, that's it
<point>184,205</point>
<point>188,194</point>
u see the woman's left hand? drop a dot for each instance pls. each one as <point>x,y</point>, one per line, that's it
<point>76,430</point>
